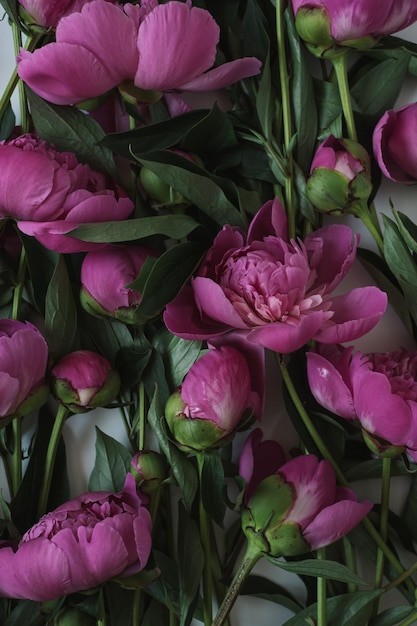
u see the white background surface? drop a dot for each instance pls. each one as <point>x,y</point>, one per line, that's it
<point>79,430</point>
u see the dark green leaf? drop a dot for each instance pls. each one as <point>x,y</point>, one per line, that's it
<point>409,511</point>
<point>350,609</point>
<point>265,106</point>
<point>175,226</point>
<point>407,229</point>
<point>26,612</point>
<point>322,568</point>
<point>190,563</point>
<point>214,133</point>
<point>212,487</point>
<point>60,311</point>
<point>377,90</point>
<point>7,123</point>
<point>41,265</point>
<point>111,465</point>
<point>178,355</point>
<point>71,130</point>
<point>268,590</point>
<point>393,616</point>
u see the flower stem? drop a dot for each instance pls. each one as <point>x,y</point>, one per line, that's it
<point>51,452</point>
<point>286,114</point>
<point>142,419</point>
<point>350,560</point>
<point>406,574</point>
<point>17,42</point>
<point>321,593</point>
<point>252,556</point>
<point>206,543</point>
<point>101,617</point>
<point>340,67</point>
<point>18,290</point>
<point>17,455</point>
<point>410,620</point>
<point>383,527</point>
<point>370,220</point>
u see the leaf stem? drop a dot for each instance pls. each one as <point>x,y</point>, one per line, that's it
<point>51,453</point>
<point>206,543</point>
<point>340,67</point>
<point>321,593</point>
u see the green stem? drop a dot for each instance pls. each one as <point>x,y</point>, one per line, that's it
<point>325,453</point>
<point>17,455</point>
<point>286,114</point>
<point>136,615</point>
<point>410,620</point>
<point>101,617</point>
<point>18,290</point>
<point>340,68</point>
<point>206,543</point>
<point>370,220</point>
<point>321,593</point>
<point>17,43</point>
<point>252,556</point>
<point>383,528</point>
<point>142,417</point>
<point>350,560</point>
<point>51,452</point>
<point>406,574</point>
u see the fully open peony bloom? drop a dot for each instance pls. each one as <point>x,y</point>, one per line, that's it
<point>47,13</point>
<point>277,291</point>
<point>55,193</point>
<point>23,361</point>
<point>300,508</point>
<point>218,392</point>
<point>379,390</point>
<point>154,47</point>
<point>394,144</point>
<point>356,23</point>
<point>78,546</point>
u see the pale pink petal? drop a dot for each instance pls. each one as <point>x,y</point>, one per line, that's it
<point>285,338</point>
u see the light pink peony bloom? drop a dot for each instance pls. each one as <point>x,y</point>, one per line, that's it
<point>112,297</point>
<point>167,47</point>
<point>277,291</point>
<point>47,13</point>
<point>351,20</point>
<point>78,546</point>
<point>379,390</point>
<point>84,380</point>
<point>394,144</point>
<point>300,508</point>
<point>223,387</point>
<point>23,361</point>
<point>55,193</point>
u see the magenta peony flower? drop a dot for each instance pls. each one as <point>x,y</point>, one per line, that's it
<point>55,193</point>
<point>84,380</point>
<point>300,508</point>
<point>23,361</point>
<point>80,545</point>
<point>258,460</point>
<point>355,23</point>
<point>220,388</point>
<point>379,390</point>
<point>156,47</point>
<point>277,291</point>
<point>394,145</point>
<point>46,13</point>
<point>340,176</point>
<point>113,298</point>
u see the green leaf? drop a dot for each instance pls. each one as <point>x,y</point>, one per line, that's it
<point>409,511</point>
<point>393,616</point>
<point>407,229</point>
<point>214,132</point>
<point>350,609</point>
<point>169,273</point>
<point>205,191</point>
<point>71,130</point>
<point>261,587</point>
<point>184,472</point>
<point>265,107</point>
<point>174,226</point>
<point>212,487</point>
<point>323,568</point>
<point>7,123</point>
<point>190,563</point>
<point>178,355</point>
<point>41,264</point>
<point>60,312</point>
<point>111,465</point>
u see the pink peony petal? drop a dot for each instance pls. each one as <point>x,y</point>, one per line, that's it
<point>337,254</point>
<point>328,387</point>
<point>210,298</point>
<point>183,319</point>
<point>285,338</point>
<point>271,219</point>
<point>335,521</point>
<point>224,75</point>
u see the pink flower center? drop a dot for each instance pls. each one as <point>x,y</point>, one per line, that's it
<point>400,368</point>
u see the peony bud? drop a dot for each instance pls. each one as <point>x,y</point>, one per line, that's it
<point>149,470</point>
<point>68,616</point>
<point>84,380</point>
<point>340,180</point>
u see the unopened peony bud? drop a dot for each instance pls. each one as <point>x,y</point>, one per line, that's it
<point>149,469</point>
<point>340,180</point>
<point>70,616</point>
<point>84,380</point>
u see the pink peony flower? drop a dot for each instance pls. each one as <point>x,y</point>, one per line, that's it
<point>300,508</point>
<point>220,388</point>
<point>156,47</point>
<point>78,546</point>
<point>379,390</point>
<point>46,13</point>
<point>277,291</point>
<point>84,380</point>
<point>356,23</point>
<point>114,298</point>
<point>394,145</point>
<point>55,193</point>
<point>258,459</point>
<point>23,361</point>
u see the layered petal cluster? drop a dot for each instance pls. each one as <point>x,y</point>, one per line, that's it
<point>357,23</point>
<point>55,193</point>
<point>84,380</point>
<point>276,291</point>
<point>46,13</point>
<point>155,47</point>
<point>300,508</point>
<point>379,390</point>
<point>114,297</point>
<point>23,361</point>
<point>78,546</point>
<point>218,392</point>
<point>394,146</point>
